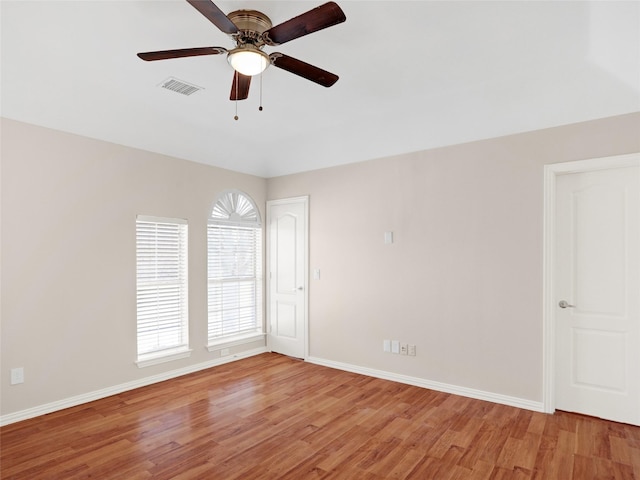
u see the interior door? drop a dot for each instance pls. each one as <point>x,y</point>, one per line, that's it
<point>597,287</point>
<point>287,280</point>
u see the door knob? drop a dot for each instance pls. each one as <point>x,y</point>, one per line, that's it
<point>565,304</point>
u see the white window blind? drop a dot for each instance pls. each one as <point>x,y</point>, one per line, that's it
<point>235,280</point>
<point>234,239</point>
<point>162,295</point>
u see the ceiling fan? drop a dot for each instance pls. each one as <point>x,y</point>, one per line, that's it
<point>251,31</point>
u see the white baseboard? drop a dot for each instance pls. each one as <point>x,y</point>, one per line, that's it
<point>114,390</point>
<point>440,387</point>
<point>415,381</point>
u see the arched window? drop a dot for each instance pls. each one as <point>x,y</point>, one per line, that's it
<point>234,238</point>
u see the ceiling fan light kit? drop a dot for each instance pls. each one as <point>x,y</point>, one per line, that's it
<point>251,31</point>
<point>248,60</point>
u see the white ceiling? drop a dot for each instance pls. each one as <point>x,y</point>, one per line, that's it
<point>414,75</point>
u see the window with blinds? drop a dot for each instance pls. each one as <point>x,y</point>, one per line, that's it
<point>234,237</point>
<point>162,296</point>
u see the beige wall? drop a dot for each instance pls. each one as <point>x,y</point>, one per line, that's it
<point>462,281</point>
<point>69,206</point>
<point>463,278</point>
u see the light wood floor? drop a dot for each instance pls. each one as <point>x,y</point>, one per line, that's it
<point>272,417</point>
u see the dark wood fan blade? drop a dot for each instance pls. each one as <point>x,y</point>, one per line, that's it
<point>214,15</point>
<point>320,17</point>
<point>183,52</point>
<point>303,69</point>
<point>240,86</point>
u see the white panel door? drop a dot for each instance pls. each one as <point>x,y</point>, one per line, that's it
<point>287,263</point>
<point>597,290</point>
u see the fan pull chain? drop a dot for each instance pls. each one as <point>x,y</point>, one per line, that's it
<point>260,107</point>
<point>236,82</point>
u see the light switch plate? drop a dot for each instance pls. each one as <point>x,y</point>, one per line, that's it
<point>17,376</point>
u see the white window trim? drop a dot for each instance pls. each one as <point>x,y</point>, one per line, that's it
<point>236,340</point>
<point>152,219</point>
<point>166,356</point>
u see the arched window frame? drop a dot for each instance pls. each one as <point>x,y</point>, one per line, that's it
<point>234,271</point>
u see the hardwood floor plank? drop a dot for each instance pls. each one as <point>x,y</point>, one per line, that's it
<point>525,456</point>
<point>500,473</point>
<point>395,460</point>
<point>559,465</point>
<point>377,451</point>
<point>270,417</point>
<point>507,453</point>
<point>537,424</point>
<point>308,468</point>
<point>286,458</point>
<point>473,455</point>
<point>481,471</point>
<point>348,449</point>
<point>620,451</point>
<point>399,465</point>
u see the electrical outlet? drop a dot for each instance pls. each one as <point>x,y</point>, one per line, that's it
<point>224,352</point>
<point>403,349</point>
<point>395,346</point>
<point>412,350</point>
<point>17,375</point>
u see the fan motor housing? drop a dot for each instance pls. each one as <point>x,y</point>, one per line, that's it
<point>250,21</point>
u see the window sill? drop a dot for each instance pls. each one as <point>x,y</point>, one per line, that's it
<point>235,340</point>
<point>165,357</point>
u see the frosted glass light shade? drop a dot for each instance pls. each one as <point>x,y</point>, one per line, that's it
<point>248,61</point>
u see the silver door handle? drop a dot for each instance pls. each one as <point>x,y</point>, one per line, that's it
<point>295,289</point>
<point>565,304</point>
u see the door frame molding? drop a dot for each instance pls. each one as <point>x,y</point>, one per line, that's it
<point>283,201</point>
<point>551,173</point>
